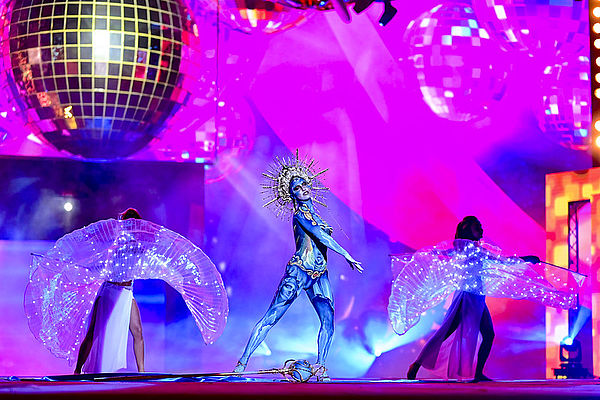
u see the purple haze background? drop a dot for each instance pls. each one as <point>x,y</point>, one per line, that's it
<point>400,176</point>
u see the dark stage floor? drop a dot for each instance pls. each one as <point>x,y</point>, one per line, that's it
<point>269,389</point>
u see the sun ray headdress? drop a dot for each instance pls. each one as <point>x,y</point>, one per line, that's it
<point>276,189</point>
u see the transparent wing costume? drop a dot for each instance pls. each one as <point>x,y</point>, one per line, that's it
<point>433,273</point>
<point>64,283</point>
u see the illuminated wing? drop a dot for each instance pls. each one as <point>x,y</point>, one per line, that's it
<point>422,283</point>
<point>58,300</point>
<point>512,277</point>
<point>432,273</point>
<point>64,283</point>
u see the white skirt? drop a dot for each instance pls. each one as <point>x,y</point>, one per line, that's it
<point>109,343</point>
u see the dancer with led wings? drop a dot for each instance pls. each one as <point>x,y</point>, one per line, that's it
<point>79,300</point>
<point>472,269</point>
<point>293,188</point>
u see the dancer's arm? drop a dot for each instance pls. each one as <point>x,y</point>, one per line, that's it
<point>310,225</point>
<point>494,253</point>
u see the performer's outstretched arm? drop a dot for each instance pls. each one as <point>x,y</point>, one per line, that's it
<point>308,223</point>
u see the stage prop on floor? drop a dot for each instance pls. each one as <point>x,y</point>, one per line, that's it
<point>292,370</point>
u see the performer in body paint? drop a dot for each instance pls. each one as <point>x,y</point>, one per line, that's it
<point>293,187</point>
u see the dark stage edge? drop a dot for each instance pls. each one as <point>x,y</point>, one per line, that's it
<point>271,389</point>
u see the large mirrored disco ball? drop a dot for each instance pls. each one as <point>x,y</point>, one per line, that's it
<point>564,114</point>
<point>252,16</point>
<point>94,78</point>
<point>540,26</point>
<point>460,70</point>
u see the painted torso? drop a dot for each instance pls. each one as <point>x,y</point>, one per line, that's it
<point>310,255</point>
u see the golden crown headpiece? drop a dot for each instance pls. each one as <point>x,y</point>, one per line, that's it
<point>277,182</point>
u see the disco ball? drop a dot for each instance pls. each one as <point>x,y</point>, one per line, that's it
<point>97,79</point>
<point>541,26</point>
<point>460,70</point>
<point>252,16</point>
<point>564,114</point>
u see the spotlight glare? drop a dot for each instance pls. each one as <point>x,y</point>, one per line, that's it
<point>597,77</point>
<point>597,142</point>
<point>597,43</point>
<point>68,206</point>
<point>596,12</point>
<point>597,93</point>
<point>568,341</point>
<point>597,125</point>
<point>596,27</point>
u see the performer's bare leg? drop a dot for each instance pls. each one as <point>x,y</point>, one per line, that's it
<point>325,313</point>
<point>487,332</point>
<point>285,296</point>
<point>414,367</point>
<point>135,327</point>
<point>86,345</point>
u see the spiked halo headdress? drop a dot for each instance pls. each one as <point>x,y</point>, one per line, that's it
<point>277,183</point>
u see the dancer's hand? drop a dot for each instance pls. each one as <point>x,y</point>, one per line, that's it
<point>356,265</point>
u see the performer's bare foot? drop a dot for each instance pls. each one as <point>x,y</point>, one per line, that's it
<point>412,371</point>
<point>239,367</point>
<point>481,378</point>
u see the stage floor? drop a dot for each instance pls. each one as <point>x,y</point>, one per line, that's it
<point>269,389</point>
